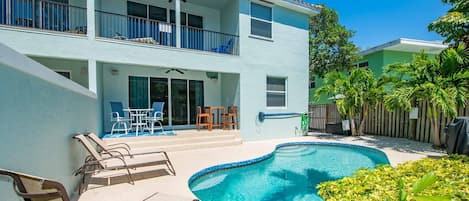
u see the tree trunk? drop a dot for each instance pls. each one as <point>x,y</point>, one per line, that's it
<point>434,123</point>
<point>364,115</point>
<point>436,132</point>
<point>352,125</point>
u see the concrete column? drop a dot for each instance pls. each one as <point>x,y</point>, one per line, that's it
<point>90,19</point>
<point>178,23</point>
<point>92,76</point>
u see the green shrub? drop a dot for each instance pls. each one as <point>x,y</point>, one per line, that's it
<point>382,183</point>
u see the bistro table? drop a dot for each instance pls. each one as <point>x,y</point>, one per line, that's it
<point>220,111</point>
<point>137,115</point>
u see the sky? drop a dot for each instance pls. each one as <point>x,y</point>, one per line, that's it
<point>379,21</point>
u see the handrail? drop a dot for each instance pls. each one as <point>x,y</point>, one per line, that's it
<point>155,32</point>
<point>262,116</point>
<point>61,4</point>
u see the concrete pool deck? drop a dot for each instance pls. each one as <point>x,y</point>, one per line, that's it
<point>186,163</point>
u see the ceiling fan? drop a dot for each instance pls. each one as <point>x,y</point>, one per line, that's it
<point>173,69</point>
<point>182,1</point>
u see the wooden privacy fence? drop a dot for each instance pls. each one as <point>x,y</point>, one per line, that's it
<point>384,123</point>
<point>398,124</point>
<point>320,115</point>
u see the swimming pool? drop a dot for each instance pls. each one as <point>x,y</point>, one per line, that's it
<point>291,172</point>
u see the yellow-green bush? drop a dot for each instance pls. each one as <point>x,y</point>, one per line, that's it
<point>380,184</point>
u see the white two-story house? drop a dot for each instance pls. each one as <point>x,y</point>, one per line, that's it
<point>187,53</point>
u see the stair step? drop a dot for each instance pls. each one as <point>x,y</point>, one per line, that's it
<point>183,140</point>
<point>176,141</point>
<point>194,145</point>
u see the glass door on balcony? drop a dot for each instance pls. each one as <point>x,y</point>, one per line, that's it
<point>52,14</point>
<point>146,21</point>
<point>192,35</point>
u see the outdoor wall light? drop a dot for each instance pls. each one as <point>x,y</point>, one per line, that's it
<point>114,71</point>
<point>212,75</point>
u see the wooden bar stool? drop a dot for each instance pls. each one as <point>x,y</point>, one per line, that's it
<point>200,117</point>
<point>231,118</point>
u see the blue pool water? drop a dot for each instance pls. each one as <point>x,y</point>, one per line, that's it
<point>289,173</point>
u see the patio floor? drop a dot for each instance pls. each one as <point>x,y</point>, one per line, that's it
<point>186,163</point>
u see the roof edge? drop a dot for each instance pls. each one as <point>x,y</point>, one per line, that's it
<point>302,6</point>
<point>422,43</point>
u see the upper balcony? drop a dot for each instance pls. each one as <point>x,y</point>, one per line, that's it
<point>204,25</point>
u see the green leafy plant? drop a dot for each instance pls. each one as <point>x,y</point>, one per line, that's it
<point>454,25</point>
<point>442,82</point>
<point>329,44</point>
<point>423,180</point>
<point>419,186</point>
<point>360,91</point>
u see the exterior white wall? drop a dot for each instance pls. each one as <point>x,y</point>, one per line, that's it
<point>229,18</point>
<point>41,111</point>
<point>116,87</point>
<point>286,55</point>
<point>78,69</point>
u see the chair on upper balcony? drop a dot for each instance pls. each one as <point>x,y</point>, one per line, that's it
<point>156,116</point>
<point>225,49</point>
<point>119,119</point>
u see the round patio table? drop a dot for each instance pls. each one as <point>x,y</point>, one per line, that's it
<point>137,116</point>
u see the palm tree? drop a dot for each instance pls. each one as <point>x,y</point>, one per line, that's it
<point>442,82</point>
<point>360,91</point>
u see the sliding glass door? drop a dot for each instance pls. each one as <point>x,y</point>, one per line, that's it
<point>196,98</point>
<point>159,93</point>
<point>138,92</point>
<point>181,97</point>
<point>179,101</point>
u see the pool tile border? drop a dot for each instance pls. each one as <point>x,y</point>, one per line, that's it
<point>269,155</point>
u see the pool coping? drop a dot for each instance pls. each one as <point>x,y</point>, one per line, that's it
<point>231,165</point>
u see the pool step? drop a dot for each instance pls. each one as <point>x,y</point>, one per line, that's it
<point>183,140</point>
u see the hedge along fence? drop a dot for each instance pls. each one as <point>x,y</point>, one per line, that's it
<point>397,124</point>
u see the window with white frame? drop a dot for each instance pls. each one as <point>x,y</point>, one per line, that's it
<point>276,92</point>
<point>261,20</point>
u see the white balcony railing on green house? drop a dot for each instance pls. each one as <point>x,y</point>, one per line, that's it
<point>144,30</point>
<point>43,14</point>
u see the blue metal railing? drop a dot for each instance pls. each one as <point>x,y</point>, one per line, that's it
<point>43,14</point>
<point>144,30</point>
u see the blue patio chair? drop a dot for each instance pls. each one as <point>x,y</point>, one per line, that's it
<point>156,116</point>
<point>119,119</point>
<point>225,49</point>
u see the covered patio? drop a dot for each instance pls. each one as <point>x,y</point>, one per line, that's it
<point>179,90</point>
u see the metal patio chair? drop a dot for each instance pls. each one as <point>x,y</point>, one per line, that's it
<point>156,116</point>
<point>32,188</point>
<point>119,119</point>
<point>111,160</point>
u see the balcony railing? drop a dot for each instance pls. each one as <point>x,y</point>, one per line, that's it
<point>143,30</point>
<point>42,14</point>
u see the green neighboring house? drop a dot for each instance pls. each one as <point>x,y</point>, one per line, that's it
<point>400,50</point>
